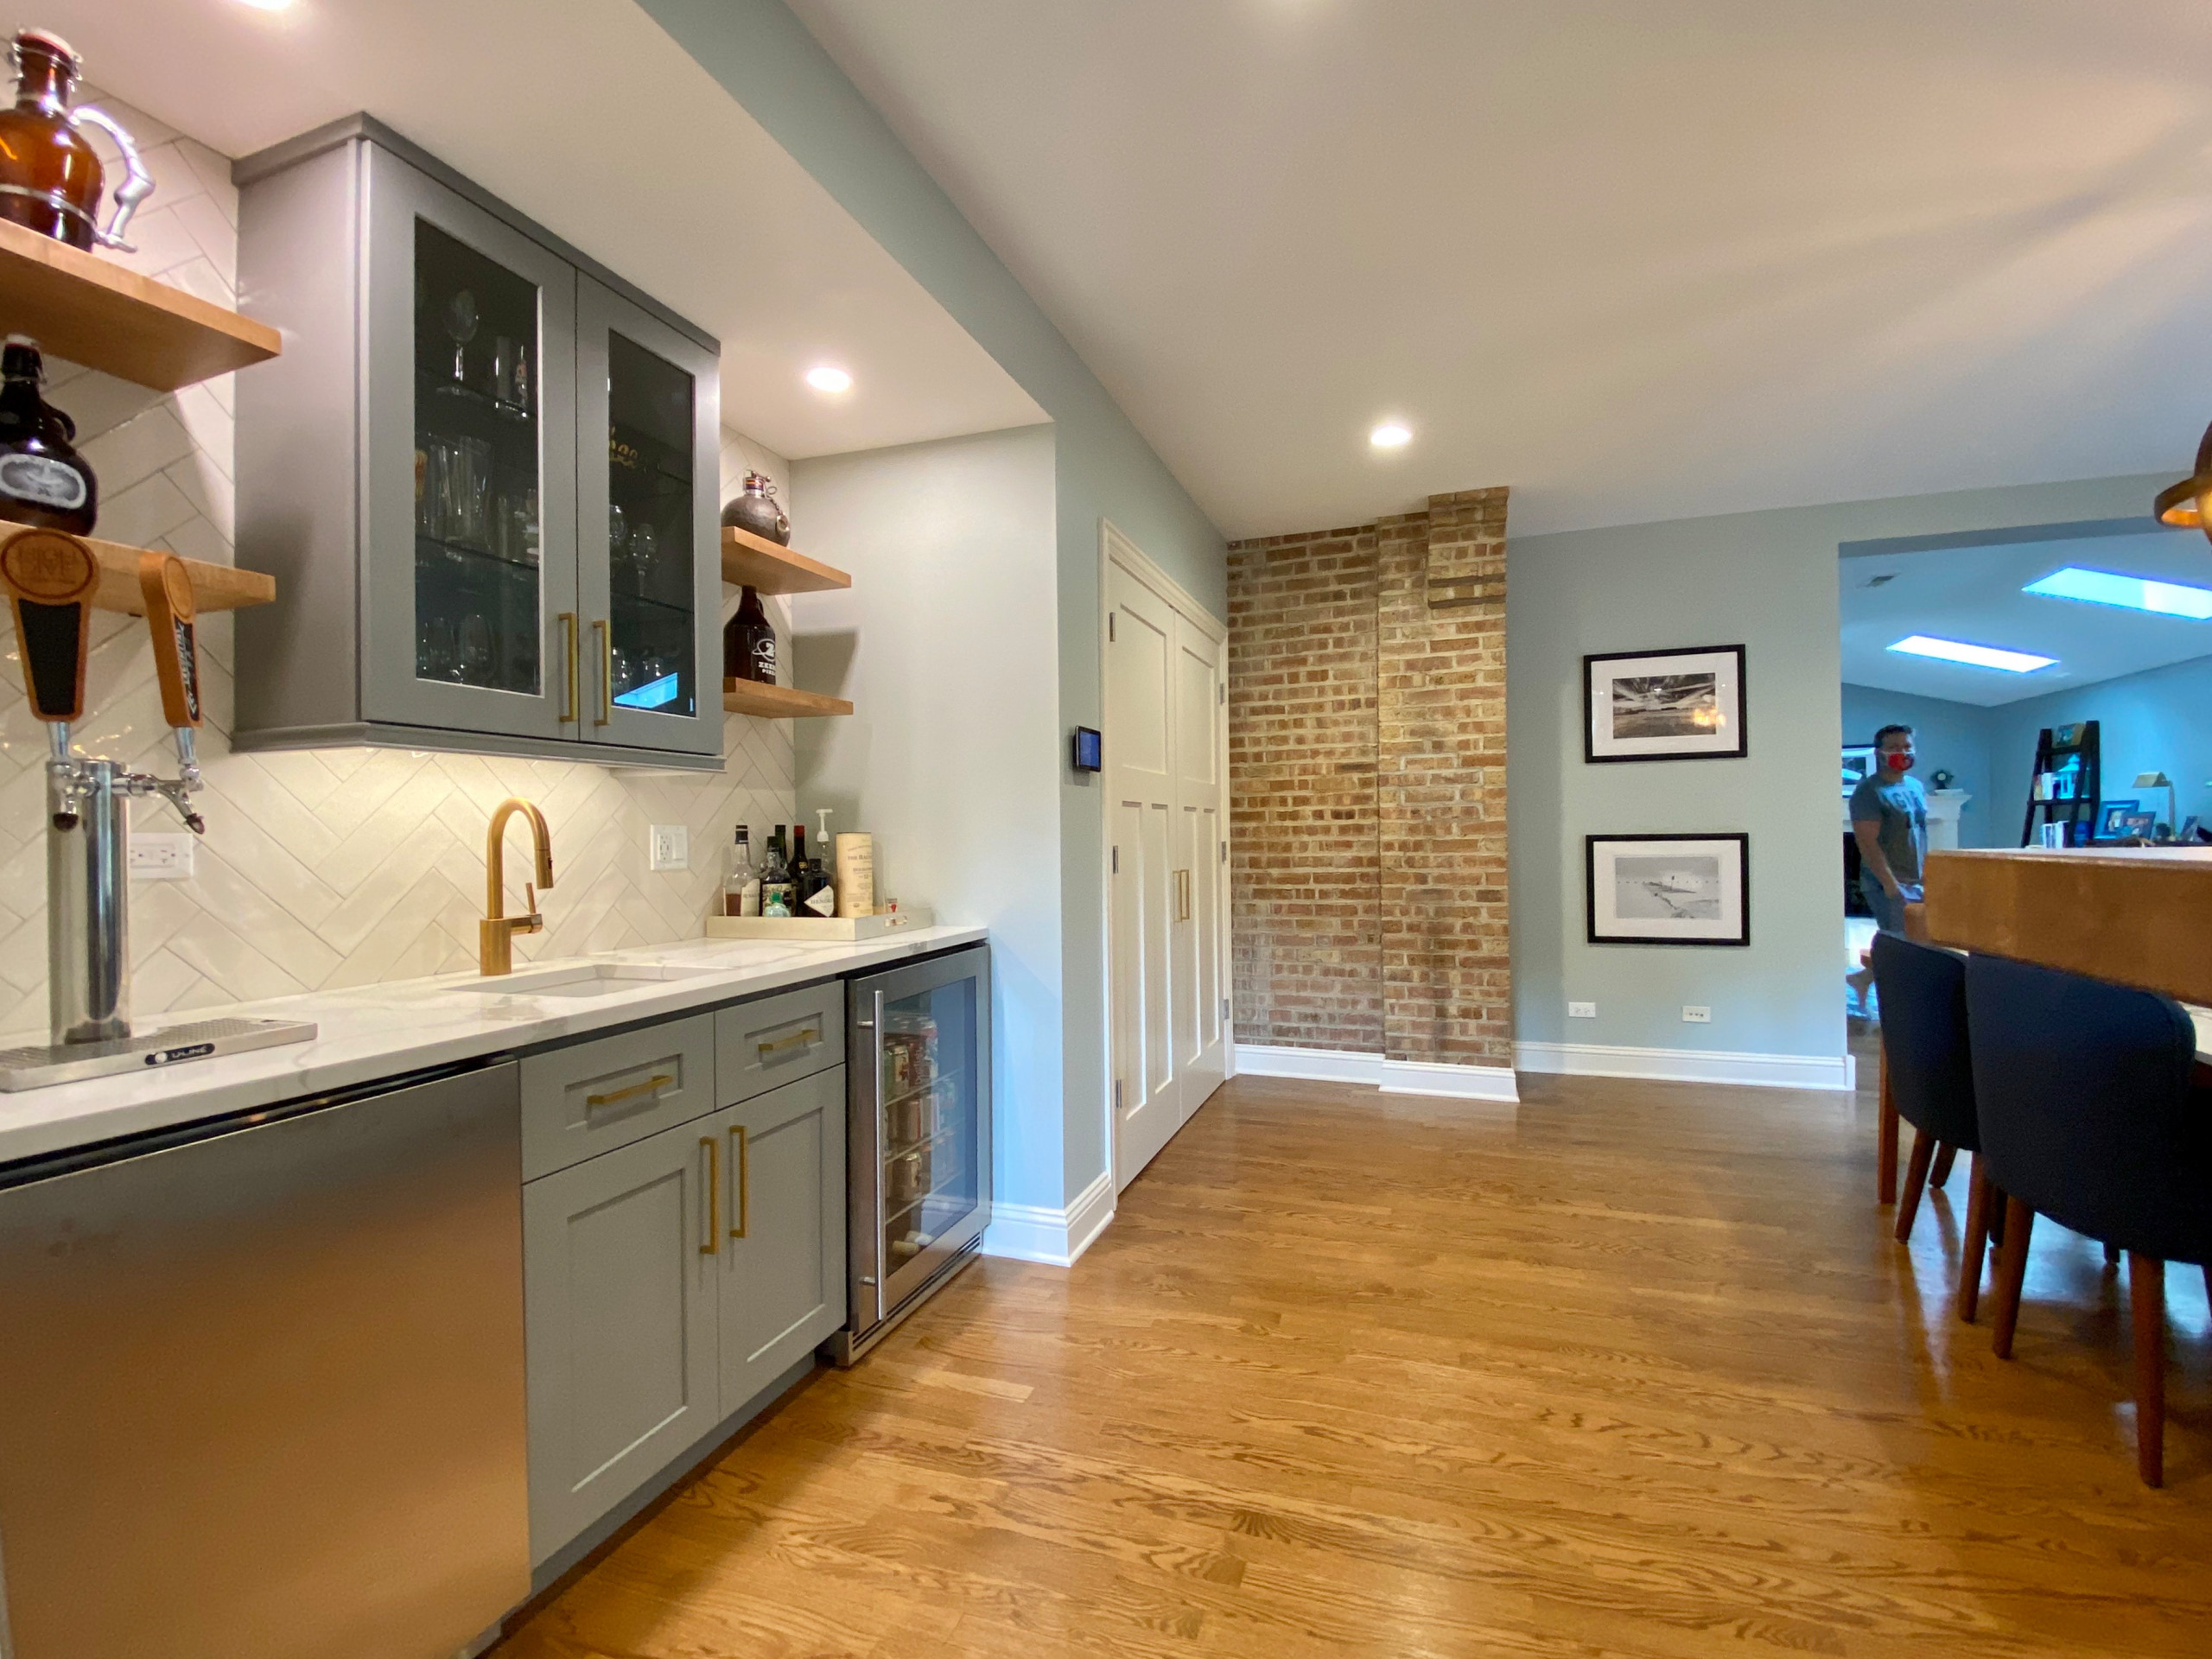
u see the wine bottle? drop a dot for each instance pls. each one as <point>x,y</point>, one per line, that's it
<point>43,480</point>
<point>776,888</point>
<point>818,893</point>
<point>741,884</point>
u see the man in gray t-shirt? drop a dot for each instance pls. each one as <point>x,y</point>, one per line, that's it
<point>1888,819</point>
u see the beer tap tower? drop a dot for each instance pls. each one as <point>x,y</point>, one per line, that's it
<point>51,578</point>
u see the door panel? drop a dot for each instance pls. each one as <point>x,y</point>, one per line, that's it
<point>782,1267</point>
<point>1201,1053</point>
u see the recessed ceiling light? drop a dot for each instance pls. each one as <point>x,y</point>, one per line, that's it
<point>1952,650</point>
<point>1390,435</point>
<point>268,5</point>
<point>826,378</point>
<point>2133,593</point>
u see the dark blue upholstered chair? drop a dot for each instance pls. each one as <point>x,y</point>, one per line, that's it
<point>1928,1079</point>
<point>2089,1115</point>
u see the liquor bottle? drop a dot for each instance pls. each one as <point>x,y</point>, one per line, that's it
<point>776,887</point>
<point>817,893</point>
<point>741,885</point>
<point>43,480</point>
<point>802,870</point>
<point>749,642</point>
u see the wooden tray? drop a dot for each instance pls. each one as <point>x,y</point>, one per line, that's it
<point>817,930</point>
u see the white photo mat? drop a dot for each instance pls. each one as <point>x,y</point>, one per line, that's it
<point>1664,705</point>
<point>1688,889</point>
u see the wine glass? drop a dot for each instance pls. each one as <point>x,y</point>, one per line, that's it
<point>461,328</point>
<point>645,548</point>
<point>475,651</point>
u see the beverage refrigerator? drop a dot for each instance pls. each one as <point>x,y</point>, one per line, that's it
<point>918,1052</point>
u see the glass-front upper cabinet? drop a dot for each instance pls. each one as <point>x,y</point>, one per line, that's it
<point>483,472</point>
<point>651,570</point>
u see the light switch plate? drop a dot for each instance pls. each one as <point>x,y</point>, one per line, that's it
<point>162,858</point>
<point>1582,1010</point>
<point>670,847</point>
<point>1694,1015</point>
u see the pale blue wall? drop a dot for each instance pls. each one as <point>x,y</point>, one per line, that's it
<point>772,66</point>
<point>1950,735</point>
<point>2157,721</point>
<point>1765,579</point>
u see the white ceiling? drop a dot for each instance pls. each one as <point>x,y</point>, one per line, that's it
<point>586,117</point>
<point>1637,261</point>
<point>1973,594</point>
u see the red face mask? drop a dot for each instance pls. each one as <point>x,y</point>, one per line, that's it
<point>1899,760</point>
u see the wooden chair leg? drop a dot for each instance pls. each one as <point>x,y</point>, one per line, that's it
<point>1885,1143</point>
<point>1976,1249</point>
<point>2146,1295</point>
<point>2011,1275</point>
<point>1939,1173</point>
<point>1915,1180</point>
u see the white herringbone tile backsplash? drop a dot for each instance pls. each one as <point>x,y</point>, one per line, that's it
<point>332,866</point>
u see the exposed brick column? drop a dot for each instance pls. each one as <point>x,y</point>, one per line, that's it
<point>1441,676</point>
<point>1306,950</point>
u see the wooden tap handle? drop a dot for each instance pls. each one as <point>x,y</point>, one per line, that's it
<point>51,577</point>
<point>170,612</point>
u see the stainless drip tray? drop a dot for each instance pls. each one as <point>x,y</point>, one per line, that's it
<point>35,1068</point>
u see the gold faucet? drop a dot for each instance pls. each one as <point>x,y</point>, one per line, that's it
<point>495,949</point>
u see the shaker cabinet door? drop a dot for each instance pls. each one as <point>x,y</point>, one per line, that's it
<point>783,1278</point>
<point>620,1255</point>
<point>469,537</point>
<point>650,567</point>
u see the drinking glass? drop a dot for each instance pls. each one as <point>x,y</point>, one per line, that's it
<point>475,668</point>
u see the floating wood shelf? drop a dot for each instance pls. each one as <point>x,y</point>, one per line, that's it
<point>754,561</point>
<point>214,586</point>
<point>93,311</point>
<point>777,702</point>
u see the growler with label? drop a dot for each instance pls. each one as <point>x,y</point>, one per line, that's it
<point>43,480</point>
<point>50,174</point>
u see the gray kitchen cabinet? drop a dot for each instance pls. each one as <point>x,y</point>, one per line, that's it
<point>620,1256</point>
<point>582,1099</point>
<point>781,1281</point>
<point>483,472</point>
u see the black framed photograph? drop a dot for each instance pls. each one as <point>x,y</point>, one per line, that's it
<point>1669,889</point>
<point>1664,705</point>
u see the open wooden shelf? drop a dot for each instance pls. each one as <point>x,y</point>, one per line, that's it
<point>93,311</point>
<point>214,586</point>
<point>778,701</point>
<point>754,561</point>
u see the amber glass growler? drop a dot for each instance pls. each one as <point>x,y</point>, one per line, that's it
<point>50,175</point>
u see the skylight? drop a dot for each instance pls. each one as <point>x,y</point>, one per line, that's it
<point>1952,651</point>
<point>2134,592</point>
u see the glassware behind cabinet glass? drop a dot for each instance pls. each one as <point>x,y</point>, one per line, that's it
<point>478,597</point>
<point>650,404</point>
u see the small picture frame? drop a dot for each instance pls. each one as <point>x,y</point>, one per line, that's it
<point>2112,819</point>
<point>1684,704</point>
<point>1669,889</point>
<point>1087,752</point>
<point>2143,826</point>
<point>1860,762</point>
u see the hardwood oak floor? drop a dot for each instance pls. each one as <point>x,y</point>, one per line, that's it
<point>1632,1369</point>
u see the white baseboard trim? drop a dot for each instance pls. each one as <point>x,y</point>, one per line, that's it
<point>1030,1232</point>
<point>1834,1072</point>
<point>1391,1076</point>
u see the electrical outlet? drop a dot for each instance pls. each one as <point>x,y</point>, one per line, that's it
<point>1582,1010</point>
<point>670,845</point>
<point>1694,1015</point>
<point>162,858</point>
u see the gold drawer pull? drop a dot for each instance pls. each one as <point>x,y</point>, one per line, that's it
<point>714,1196</point>
<point>651,1085</point>
<point>743,1183</point>
<point>797,1040</point>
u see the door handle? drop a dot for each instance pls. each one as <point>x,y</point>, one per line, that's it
<point>574,710</point>
<point>797,1040</point>
<point>744,1182</point>
<point>1182,895</point>
<point>651,1085</point>
<point>605,714</point>
<point>713,1193</point>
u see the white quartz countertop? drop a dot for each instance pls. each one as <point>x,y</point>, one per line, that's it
<point>386,1031</point>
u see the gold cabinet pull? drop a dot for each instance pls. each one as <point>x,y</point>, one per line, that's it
<point>573,711</point>
<point>605,714</point>
<point>651,1085</point>
<point>714,1195</point>
<point>1182,895</point>
<point>797,1040</point>
<point>744,1182</point>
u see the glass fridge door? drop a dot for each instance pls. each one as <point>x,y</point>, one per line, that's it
<point>932,1129</point>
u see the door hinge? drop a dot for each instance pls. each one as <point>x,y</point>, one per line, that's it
<point>1224,1008</point>
<point>1117,1094</point>
<point>1225,851</point>
<point>1117,861</point>
<point>1109,627</point>
<point>1224,693</point>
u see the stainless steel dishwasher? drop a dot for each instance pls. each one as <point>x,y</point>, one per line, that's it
<point>261,1383</point>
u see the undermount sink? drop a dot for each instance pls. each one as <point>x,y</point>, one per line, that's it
<point>588,979</point>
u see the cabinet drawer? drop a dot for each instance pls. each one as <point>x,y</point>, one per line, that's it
<point>593,1097</point>
<point>766,1043</point>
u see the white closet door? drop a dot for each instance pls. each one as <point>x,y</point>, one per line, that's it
<point>1200,1056</point>
<point>1141,681</point>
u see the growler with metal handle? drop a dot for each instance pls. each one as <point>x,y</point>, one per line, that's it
<point>50,174</point>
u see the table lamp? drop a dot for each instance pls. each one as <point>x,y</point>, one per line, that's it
<point>2159,780</point>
